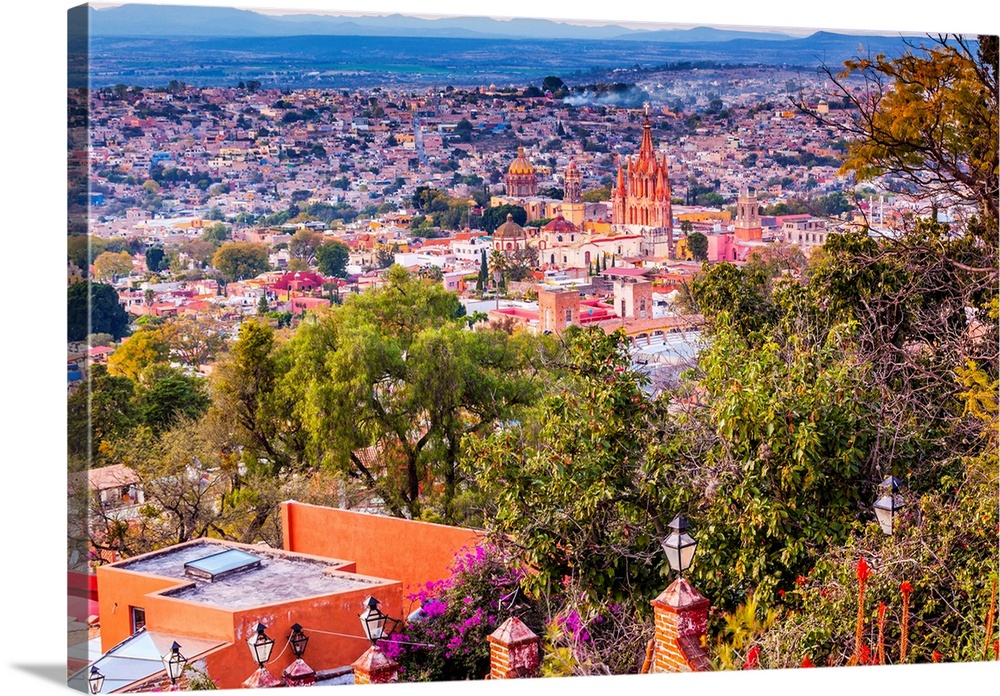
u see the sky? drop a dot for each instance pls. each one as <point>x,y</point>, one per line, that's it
<point>33,406</point>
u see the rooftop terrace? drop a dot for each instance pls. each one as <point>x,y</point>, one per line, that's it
<point>278,577</point>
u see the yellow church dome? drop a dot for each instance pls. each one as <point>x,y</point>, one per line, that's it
<point>521,165</point>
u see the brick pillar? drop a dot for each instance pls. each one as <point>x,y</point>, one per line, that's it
<point>299,674</point>
<point>262,679</point>
<point>681,616</point>
<point>374,668</point>
<point>513,651</point>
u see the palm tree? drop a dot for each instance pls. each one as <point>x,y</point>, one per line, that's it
<point>498,264</point>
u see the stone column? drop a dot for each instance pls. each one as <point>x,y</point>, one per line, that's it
<point>514,652</point>
<point>374,667</point>
<point>681,616</point>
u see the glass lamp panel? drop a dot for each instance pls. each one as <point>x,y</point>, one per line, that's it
<point>298,641</point>
<point>688,546</point>
<point>884,508</point>
<point>373,622</point>
<point>174,662</point>
<point>671,547</point>
<point>260,646</point>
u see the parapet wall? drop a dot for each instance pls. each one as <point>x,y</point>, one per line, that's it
<point>387,547</point>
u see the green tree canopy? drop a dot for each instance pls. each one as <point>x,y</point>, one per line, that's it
<point>390,383</point>
<point>94,308</point>
<point>698,246</point>
<point>155,259</point>
<point>332,258</point>
<point>497,215</point>
<point>240,260</point>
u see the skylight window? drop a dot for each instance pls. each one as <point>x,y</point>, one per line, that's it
<point>219,565</point>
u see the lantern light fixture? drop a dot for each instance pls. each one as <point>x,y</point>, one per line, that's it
<point>298,640</point>
<point>260,645</point>
<point>679,545</point>
<point>95,681</point>
<point>174,661</point>
<point>887,507</point>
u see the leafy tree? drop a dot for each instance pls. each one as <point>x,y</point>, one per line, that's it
<point>245,393</point>
<point>111,264</point>
<point>199,251</point>
<point>139,351</point>
<point>744,294</point>
<point>520,263</point>
<point>386,256</point>
<point>94,308</point>
<point>240,260</point>
<point>193,341</point>
<point>698,246</point>
<point>155,259</point>
<point>99,412</point>
<point>932,120</point>
<point>216,234</point>
<point>389,385</point>
<point>332,258</point>
<point>497,215</point>
<point>597,195</point>
<point>170,397</point>
<point>82,249</point>
<point>788,440</point>
<point>552,84</point>
<point>569,481</point>
<point>775,260</point>
<point>303,245</point>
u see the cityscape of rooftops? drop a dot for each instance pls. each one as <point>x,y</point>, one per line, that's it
<point>412,348</point>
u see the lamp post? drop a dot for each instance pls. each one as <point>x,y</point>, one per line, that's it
<point>679,545</point>
<point>298,639</point>
<point>95,681</point>
<point>174,662</point>
<point>260,645</point>
<point>887,506</point>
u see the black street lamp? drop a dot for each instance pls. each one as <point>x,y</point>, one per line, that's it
<point>260,645</point>
<point>95,681</point>
<point>679,546</point>
<point>298,639</point>
<point>174,662</point>
<point>888,506</point>
<point>373,621</point>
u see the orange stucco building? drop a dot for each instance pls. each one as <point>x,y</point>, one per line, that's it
<point>208,595</point>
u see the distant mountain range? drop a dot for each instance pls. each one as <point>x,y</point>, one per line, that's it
<point>166,20</point>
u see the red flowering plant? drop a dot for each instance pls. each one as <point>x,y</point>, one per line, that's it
<point>444,637</point>
<point>934,578</point>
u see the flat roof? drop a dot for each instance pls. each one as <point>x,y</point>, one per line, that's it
<point>280,577</point>
<point>630,272</point>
